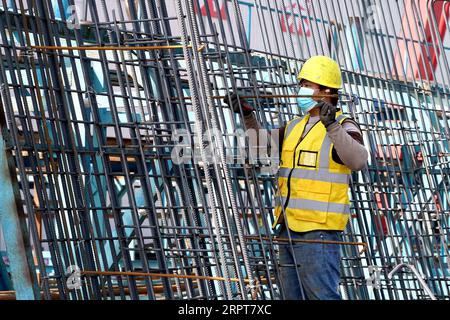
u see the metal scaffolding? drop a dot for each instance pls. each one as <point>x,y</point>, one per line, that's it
<point>124,171</point>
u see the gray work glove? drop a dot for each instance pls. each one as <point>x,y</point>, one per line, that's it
<point>327,113</point>
<point>233,99</point>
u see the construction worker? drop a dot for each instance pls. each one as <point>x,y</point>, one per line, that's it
<point>318,152</point>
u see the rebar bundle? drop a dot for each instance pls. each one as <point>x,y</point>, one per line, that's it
<point>133,180</point>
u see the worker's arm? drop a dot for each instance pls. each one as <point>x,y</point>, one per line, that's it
<point>250,122</point>
<point>348,145</point>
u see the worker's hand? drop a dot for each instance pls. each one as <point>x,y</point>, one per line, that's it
<point>233,101</point>
<point>327,113</point>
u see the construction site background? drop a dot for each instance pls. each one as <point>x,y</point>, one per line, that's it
<point>100,100</point>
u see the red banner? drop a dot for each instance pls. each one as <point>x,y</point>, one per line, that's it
<point>417,57</point>
<point>209,9</point>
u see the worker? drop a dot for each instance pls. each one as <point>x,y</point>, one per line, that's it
<point>319,150</point>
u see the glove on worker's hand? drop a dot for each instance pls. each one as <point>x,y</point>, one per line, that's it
<point>327,113</point>
<point>233,101</point>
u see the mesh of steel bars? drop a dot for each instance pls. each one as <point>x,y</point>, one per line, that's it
<point>102,98</point>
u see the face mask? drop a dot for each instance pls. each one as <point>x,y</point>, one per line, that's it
<point>306,103</point>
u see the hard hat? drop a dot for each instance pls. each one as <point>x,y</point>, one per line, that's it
<point>322,70</point>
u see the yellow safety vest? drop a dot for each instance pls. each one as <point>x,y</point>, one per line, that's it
<point>312,187</point>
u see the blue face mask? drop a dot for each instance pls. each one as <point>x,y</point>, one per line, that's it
<point>306,103</point>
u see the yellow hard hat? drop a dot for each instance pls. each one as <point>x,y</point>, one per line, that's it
<point>322,70</point>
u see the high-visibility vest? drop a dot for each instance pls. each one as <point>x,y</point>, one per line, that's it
<point>312,187</point>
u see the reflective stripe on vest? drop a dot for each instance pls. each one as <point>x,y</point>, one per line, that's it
<point>306,204</point>
<point>308,208</point>
<point>319,175</point>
